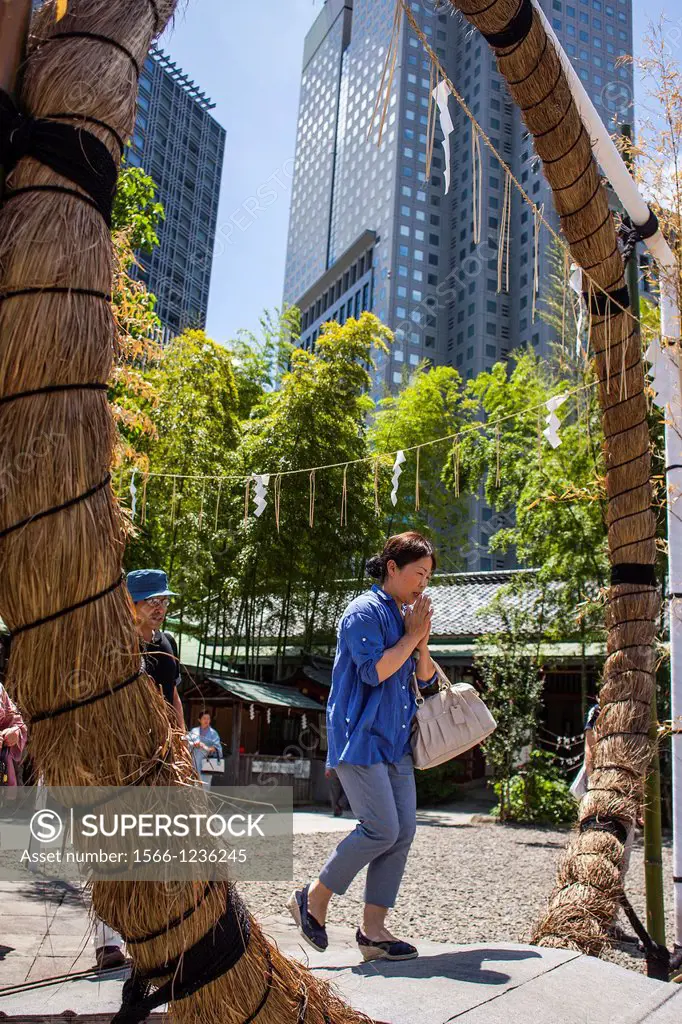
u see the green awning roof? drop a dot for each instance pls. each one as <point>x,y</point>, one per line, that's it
<point>561,650</point>
<point>272,696</point>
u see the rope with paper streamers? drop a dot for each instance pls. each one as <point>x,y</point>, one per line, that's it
<point>480,133</point>
<point>256,484</point>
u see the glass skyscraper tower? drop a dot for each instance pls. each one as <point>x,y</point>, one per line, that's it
<point>181,146</point>
<point>367,231</point>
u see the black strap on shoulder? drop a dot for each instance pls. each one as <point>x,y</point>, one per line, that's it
<point>215,953</point>
<point>633,572</point>
<point>517,29</point>
<point>74,153</point>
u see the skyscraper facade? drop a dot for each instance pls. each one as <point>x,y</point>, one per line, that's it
<point>181,145</point>
<point>368,230</point>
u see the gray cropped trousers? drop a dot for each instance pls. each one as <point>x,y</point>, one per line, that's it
<point>383,799</point>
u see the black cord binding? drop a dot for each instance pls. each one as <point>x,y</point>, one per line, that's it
<point>174,923</point>
<point>212,956</point>
<point>51,389</point>
<point>633,572</point>
<point>517,29</point>
<point>73,153</point>
<point>37,516</point>
<point>605,823</point>
<point>63,116</point>
<point>97,38</point>
<point>630,234</point>
<point>67,611</point>
<point>60,189</point>
<point>608,303</point>
<point>56,289</point>
<point>74,705</point>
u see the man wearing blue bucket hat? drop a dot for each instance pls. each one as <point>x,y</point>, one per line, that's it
<point>151,595</point>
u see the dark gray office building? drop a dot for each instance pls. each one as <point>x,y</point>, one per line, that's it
<point>367,231</point>
<point>181,146</point>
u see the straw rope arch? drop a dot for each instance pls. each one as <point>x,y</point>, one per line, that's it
<point>75,660</point>
<point>589,884</point>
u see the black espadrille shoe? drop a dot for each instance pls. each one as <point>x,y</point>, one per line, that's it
<point>391,950</point>
<point>314,933</point>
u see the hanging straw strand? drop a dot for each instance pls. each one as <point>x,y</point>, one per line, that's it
<point>247,495</point>
<point>203,499</point>
<point>143,510</point>
<point>277,489</point>
<point>311,502</point>
<point>344,498</point>
<point>416,483</point>
<point>537,220</point>
<point>217,505</point>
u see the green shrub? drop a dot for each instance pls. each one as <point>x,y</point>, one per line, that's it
<point>440,784</point>
<point>538,793</point>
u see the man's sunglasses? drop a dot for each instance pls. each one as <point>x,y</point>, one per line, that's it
<point>157,602</point>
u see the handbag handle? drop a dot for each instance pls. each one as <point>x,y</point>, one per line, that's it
<point>443,683</point>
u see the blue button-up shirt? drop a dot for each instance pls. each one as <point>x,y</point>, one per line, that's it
<point>367,721</point>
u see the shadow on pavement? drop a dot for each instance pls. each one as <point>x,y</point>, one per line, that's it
<point>466,965</point>
<point>62,893</point>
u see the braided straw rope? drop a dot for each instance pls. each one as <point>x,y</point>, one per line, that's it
<point>60,444</point>
<point>589,881</point>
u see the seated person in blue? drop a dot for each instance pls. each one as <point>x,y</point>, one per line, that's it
<point>369,719</point>
<point>204,742</point>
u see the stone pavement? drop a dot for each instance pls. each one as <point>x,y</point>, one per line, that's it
<point>45,931</point>
<point>316,820</point>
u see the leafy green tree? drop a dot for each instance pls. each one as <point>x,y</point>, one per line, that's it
<point>196,435</point>
<point>430,405</point>
<point>509,663</point>
<point>136,209</point>
<point>317,416</point>
<point>554,497</point>
<point>259,360</point>
<point>136,216</point>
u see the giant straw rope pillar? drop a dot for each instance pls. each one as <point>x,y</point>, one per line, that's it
<point>589,883</point>
<point>62,534</point>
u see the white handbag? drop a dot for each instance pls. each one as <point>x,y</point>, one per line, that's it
<point>448,723</point>
<point>213,764</point>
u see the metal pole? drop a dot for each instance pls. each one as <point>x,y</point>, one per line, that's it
<point>653,840</point>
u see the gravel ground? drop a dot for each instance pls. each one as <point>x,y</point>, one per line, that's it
<point>463,883</point>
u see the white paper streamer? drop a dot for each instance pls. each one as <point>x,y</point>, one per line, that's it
<point>576,282</point>
<point>252,712</point>
<point>133,494</point>
<point>664,374</point>
<point>441,94</point>
<point>259,495</point>
<point>304,722</point>
<point>551,431</point>
<point>268,715</point>
<point>399,459</point>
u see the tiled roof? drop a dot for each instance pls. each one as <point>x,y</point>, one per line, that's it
<point>459,599</point>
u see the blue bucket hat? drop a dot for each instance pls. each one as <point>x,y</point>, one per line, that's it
<point>145,583</point>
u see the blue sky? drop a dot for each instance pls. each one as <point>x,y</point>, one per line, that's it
<point>247,57</point>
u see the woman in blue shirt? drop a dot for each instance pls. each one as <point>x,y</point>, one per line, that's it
<point>369,719</point>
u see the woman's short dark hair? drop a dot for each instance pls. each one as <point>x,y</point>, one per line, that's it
<point>402,549</point>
